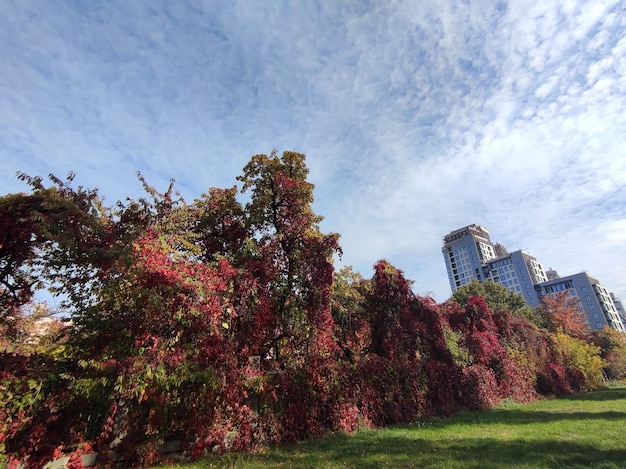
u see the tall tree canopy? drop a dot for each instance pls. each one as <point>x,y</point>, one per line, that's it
<point>299,257</point>
<point>564,313</point>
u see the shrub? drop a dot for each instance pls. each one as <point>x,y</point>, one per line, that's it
<point>613,349</point>
<point>442,382</point>
<point>583,356</point>
<point>479,389</point>
<point>558,380</point>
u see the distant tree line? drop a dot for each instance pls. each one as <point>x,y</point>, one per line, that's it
<point>226,326</point>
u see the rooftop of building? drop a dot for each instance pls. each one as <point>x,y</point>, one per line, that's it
<point>474,229</point>
<point>592,280</point>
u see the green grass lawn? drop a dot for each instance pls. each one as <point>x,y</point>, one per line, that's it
<point>584,431</point>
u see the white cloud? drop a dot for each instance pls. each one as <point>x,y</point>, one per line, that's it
<point>416,118</point>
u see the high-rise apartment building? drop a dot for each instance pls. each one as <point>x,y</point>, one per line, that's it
<point>465,251</point>
<point>620,308</point>
<point>470,255</point>
<point>518,271</point>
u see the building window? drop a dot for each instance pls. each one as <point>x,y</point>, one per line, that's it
<point>595,315</point>
<point>584,289</point>
<point>587,298</point>
<point>591,307</point>
<point>598,325</point>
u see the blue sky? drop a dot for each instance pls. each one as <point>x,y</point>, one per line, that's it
<point>417,118</point>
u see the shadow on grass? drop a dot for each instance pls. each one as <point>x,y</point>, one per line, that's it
<point>400,452</point>
<point>407,446</point>
<point>521,417</point>
<point>603,395</point>
<point>527,415</point>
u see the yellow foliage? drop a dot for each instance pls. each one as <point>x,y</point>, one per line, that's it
<point>583,356</point>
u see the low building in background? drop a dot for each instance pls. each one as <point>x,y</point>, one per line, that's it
<point>596,302</point>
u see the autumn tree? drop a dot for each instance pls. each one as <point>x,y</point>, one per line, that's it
<point>226,326</point>
<point>583,356</point>
<point>147,315</point>
<point>54,237</point>
<point>297,257</point>
<point>563,312</point>
<point>612,344</point>
<point>34,328</point>
<point>19,237</point>
<point>389,309</point>
<point>352,329</point>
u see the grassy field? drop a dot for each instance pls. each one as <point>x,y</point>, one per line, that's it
<point>584,431</point>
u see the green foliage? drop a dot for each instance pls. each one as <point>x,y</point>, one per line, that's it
<point>218,222</point>
<point>349,294</point>
<point>498,298</point>
<point>456,344</point>
<point>32,329</point>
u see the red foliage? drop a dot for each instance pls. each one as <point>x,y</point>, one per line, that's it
<point>564,313</point>
<point>558,380</point>
<point>212,323</point>
<point>392,391</point>
<point>442,381</point>
<point>479,389</point>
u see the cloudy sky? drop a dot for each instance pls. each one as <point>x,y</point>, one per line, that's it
<point>417,118</point>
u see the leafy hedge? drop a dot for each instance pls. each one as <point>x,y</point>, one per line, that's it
<point>227,328</point>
